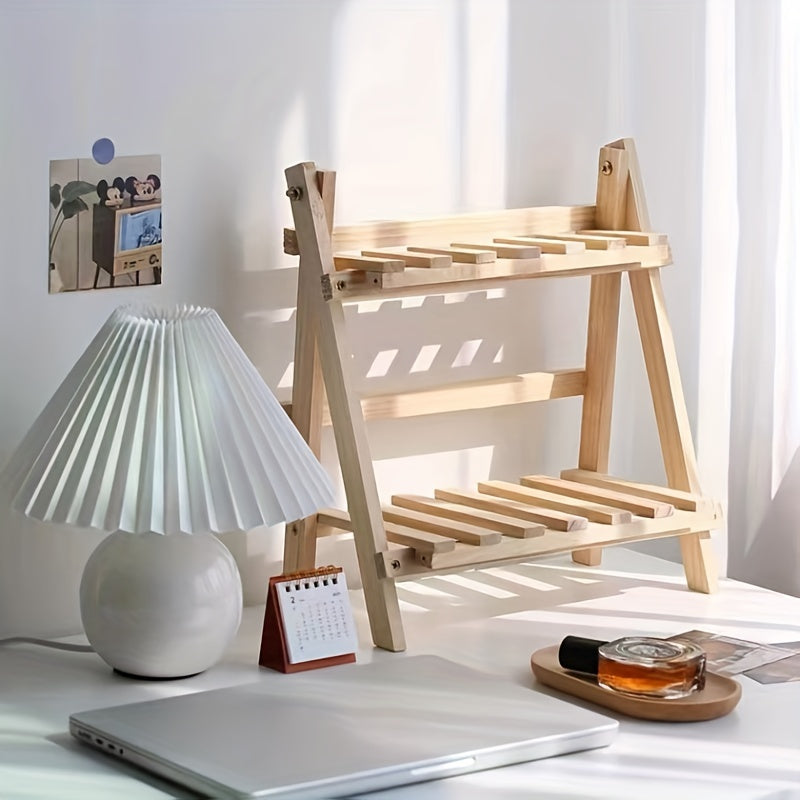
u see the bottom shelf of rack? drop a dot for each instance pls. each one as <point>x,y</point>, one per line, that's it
<point>541,516</point>
<point>406,562</point>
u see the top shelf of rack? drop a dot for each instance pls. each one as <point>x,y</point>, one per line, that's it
<point>459,252</point>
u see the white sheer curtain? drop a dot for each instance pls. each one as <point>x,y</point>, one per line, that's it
<point>753,284</point>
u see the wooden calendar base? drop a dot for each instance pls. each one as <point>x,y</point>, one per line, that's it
<point>322,591</point>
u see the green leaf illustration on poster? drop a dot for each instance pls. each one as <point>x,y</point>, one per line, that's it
<point>72,204</point>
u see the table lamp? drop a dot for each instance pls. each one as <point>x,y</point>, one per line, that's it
<point>163,434</point>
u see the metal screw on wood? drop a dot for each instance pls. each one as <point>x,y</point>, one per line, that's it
<point>294,192</point>
<point>395,564</point>
<point>340,285</point>
<point>606,168</point>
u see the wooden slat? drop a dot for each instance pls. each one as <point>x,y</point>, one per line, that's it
<point>511,222</point>
<point>459,255</point>
<point>508,526</point>
<point>502,250</point>
<point>640,506</point>
<point>589,556</point>
<point>353,285</point>
<point>422,541</point>
<point>685,501</point>
<point>594,512</point>
<point>591,242</point>
<point>346,261</point>
<point>410,259</point>
<point>545,245</point>
<point>556,520</point>
<point>684,524</point>
<point>633,237</point>
<point>469,534</point>
<point>335,518</point>
<point>290,246</point>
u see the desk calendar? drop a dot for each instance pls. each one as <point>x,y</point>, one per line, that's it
<point>308,621</point>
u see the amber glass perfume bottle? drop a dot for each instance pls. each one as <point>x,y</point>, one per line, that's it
<point>638,665</point>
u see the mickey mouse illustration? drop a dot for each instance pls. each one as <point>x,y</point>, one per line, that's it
<point>143,191</point>
<point>111,195</point>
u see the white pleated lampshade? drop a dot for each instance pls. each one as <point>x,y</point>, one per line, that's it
<point>165,425</point>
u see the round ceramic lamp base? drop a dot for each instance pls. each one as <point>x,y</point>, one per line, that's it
<point>158,606</point>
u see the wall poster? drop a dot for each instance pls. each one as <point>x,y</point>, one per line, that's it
<point>105,223</point>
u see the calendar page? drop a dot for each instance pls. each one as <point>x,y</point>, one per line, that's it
<point>317,617</point>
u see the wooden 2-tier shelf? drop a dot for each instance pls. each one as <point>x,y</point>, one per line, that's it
<point>580,511</point>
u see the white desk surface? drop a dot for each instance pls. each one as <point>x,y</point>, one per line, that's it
<point>492,620</point>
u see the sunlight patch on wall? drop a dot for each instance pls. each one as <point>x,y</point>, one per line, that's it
<point>467,352</point>
<point>425,357</point>
<point>382,363</point>
<point>270,316</point>
<point>440,144</point>
<point>484,62</point>
<point>260,232</point>
<point>718,253</point>
<point>292,146</point>
<point>369,306</point>
<point>412,302</point>
<point>288,377</point>
<point>786,436</point>
<point>421,474</point>
<point>393,155</point>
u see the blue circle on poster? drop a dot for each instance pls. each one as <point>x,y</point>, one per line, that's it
<point>103,151</point>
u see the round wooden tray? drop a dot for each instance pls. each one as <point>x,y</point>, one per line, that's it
<point>720,695</point>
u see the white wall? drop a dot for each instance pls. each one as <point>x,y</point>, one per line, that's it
<point>422,106</point>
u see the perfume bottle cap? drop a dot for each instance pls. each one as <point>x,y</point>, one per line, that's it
<point>579,654</point>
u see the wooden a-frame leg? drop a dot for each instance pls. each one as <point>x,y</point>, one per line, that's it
<point>601,358</point>
<point>363,503</point>
<point>611,207</point>
<point>308,391</point>
<point>369,535</point>
<point>300,540</point>
<point>671,417</point>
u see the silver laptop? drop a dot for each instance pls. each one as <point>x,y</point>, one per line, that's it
<point>342,730</point>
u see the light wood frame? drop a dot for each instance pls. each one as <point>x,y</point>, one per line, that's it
<point>388,551</point>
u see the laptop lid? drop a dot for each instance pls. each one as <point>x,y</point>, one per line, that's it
<point>342,730</point>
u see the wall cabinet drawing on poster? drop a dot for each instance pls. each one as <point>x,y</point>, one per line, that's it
<point>105,223</point>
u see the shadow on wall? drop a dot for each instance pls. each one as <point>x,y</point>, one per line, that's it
<point>247,235</point>
<point>779,532</point>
